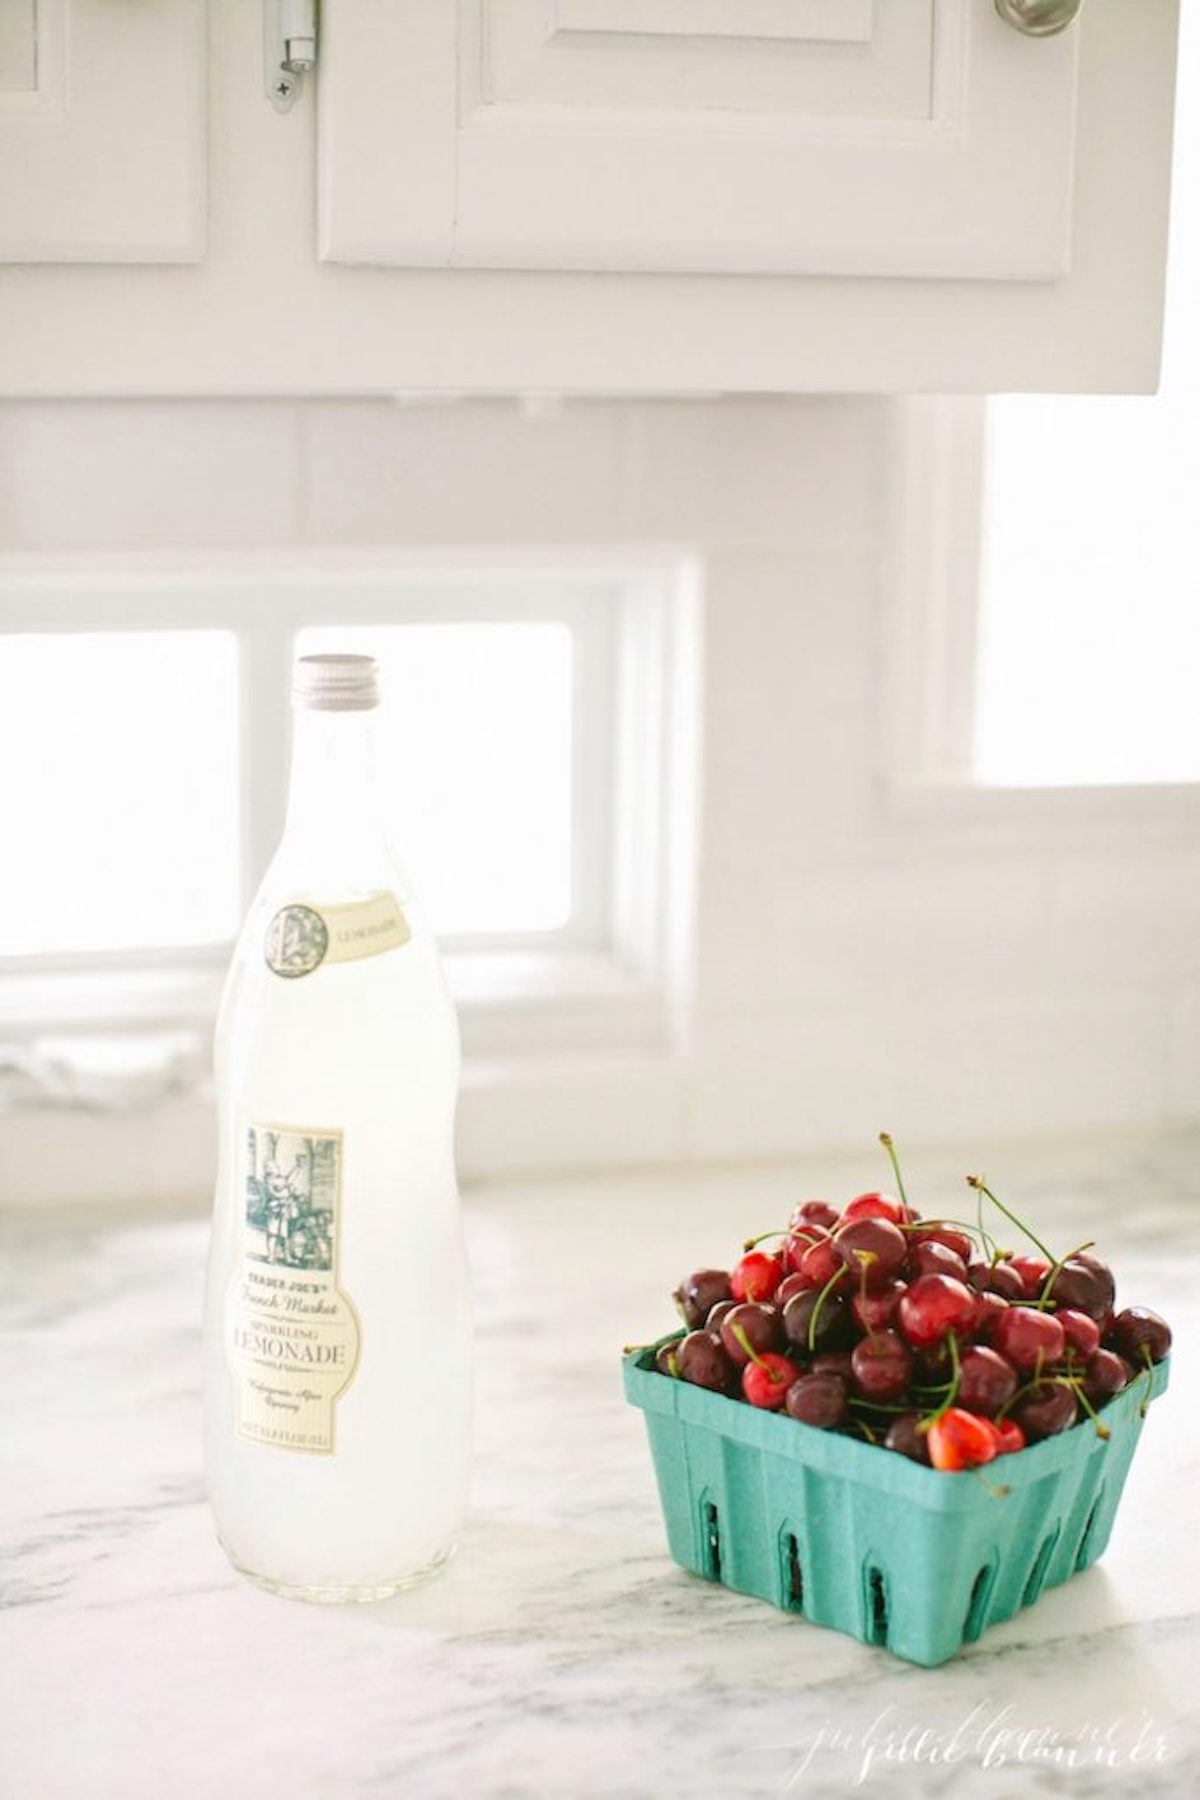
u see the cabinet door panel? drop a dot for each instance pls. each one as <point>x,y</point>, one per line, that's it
<point>102,131</point>
<point>874,137</point>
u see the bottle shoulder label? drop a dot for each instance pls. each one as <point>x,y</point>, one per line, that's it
<point>292,1336</point>
<point>303,936</point>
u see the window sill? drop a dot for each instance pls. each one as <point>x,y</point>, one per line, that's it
<point>1168,808</point>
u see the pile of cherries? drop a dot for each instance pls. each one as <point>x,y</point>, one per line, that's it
<point>921,1335</point>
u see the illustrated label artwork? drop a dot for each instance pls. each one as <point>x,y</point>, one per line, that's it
<point>292,1334</point>
<point>302,937</point>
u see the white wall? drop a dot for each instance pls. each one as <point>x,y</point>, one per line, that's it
<point>943,971</point>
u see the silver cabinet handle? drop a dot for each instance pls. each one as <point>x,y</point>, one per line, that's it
<point>1039,18</point>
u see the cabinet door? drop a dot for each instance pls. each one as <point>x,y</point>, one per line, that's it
<point>835,137</point>
<point>102,131</point>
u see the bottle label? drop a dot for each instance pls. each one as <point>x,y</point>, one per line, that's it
<point>292,1334</point>
<point>301,937</point>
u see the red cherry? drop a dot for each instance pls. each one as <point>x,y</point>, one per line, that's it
<point>798,1240</point>
<point>756,1277</point>
<point>987,1381</point>
<point>934,1306</point>
<point>1028,1337</point>
<point>813,1212</point>
<point>988,1307</point>
<point>931,1257</point>
<point>958,1440</point>
<point>766,1382</point>
<point>820,1263</point>
<point>881,1366</point>
<point>791,1284</point>
<point>872,1249</point>
<point>875,1311</point>
<point>1033,1271</point>
<point>1081,1332</point>
<point>876,1206</point>
<point>996,1278</point>
<point>933,1233</point>
<point>1011,1437</point>
<point>759,1324</point>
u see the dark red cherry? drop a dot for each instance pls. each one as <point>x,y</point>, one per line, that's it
<point>720,1311</point>
<point>666,1360</point>
<point>1046,1409</point>
<point>987,1381</point>
<point>876,1310</point>
<point>1138,1332</point>
<point>881,1366</point>
<point>760,1324</point>
<point>905,1436</point>
<point>814,1212</point>
<point>934,1258</point>
<point>697,1294</point>
<point>791,1284</point>
<point>818,1398</point>
<point>834,1328</point>
<point>1085,1287</point>
<point>1028,1338</point>
<point>996,1278</point>
<point>756,1277</point>
<point>988,1308</point>
<point>833,1362</point>
<point>872,1249</point>
<point>935,1233</point>
<point>703,1362</point>
<point>1106,1374</point>
<point>933,1306</point>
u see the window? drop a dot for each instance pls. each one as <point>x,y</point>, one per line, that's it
<point>1089,630</point>
<point>529,733</point>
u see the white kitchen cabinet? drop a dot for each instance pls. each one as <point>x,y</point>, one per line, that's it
<point>592,196</point>
<point>828,137</point>
<point>102,131</point>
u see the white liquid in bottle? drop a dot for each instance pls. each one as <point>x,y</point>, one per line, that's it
<point>337,1340</point>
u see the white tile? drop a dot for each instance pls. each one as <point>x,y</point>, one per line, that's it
<point>138,475</point>
<point>471,472</point>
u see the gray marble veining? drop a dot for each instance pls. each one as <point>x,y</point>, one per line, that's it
<point>562,1653</point>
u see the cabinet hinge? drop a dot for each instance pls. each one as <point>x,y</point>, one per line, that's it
<point>289,48</point>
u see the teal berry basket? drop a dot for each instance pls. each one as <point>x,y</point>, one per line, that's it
<point>865,1541</point>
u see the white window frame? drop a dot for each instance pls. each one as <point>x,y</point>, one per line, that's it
<point>618,973</point>
<point>932,589</point>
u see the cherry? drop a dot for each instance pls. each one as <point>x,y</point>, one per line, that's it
<point>720,1311</point>
<point>958,1440</point>
<point>934,1233</point>
<point>760,1325</point>
<point>820,1263</point>
<point>986,1381</point>
<point>1085,1287</point>
<point>697,1294</point>
<point>933,1366</point>
<point>1028,1337</point>
<point>904,1435</point>
<point>988,1308</point>
<point>795,1283</point>
<point>930,1257</point>
<point>1009,1434</point>
<point>875,1206</point>
<point>1033,1271</point>
<point>813,1212</point>
<point>756,1277</point>
<point>833,1362</point>
<point>933,1306</point>
<point>876,1310</point>
<point>798,1241</point>
<point>766,1381</point>
<point>1045,1409</point>
<point>996,1278</point>
<point>1105,1375</point>
<point>1138,1332</point>
<point>665,1360</point>
<point>881,1365</point>
<point>1081,1332</point>
<point>703,1362</point>
<point>818,1398</point>
<point>873,1249</point>
<point>834,1329</point>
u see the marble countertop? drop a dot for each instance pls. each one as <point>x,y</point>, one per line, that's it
<point>562,1653</point>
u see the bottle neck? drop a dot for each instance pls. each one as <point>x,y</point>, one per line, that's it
<point>334,826</point>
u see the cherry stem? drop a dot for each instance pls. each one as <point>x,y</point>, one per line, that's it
<point>977,1182</point>
<point>952,1389</point>
<point>739,1332</point>
<point>1102,1430</point>
<point>996,1489</point>
<point>752,1243</point>
<point>818,1304</point>
<point>885,1139</point>
<point>1043,1298</point>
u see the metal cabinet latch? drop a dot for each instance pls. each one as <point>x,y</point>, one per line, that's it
<point>289,48</point>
